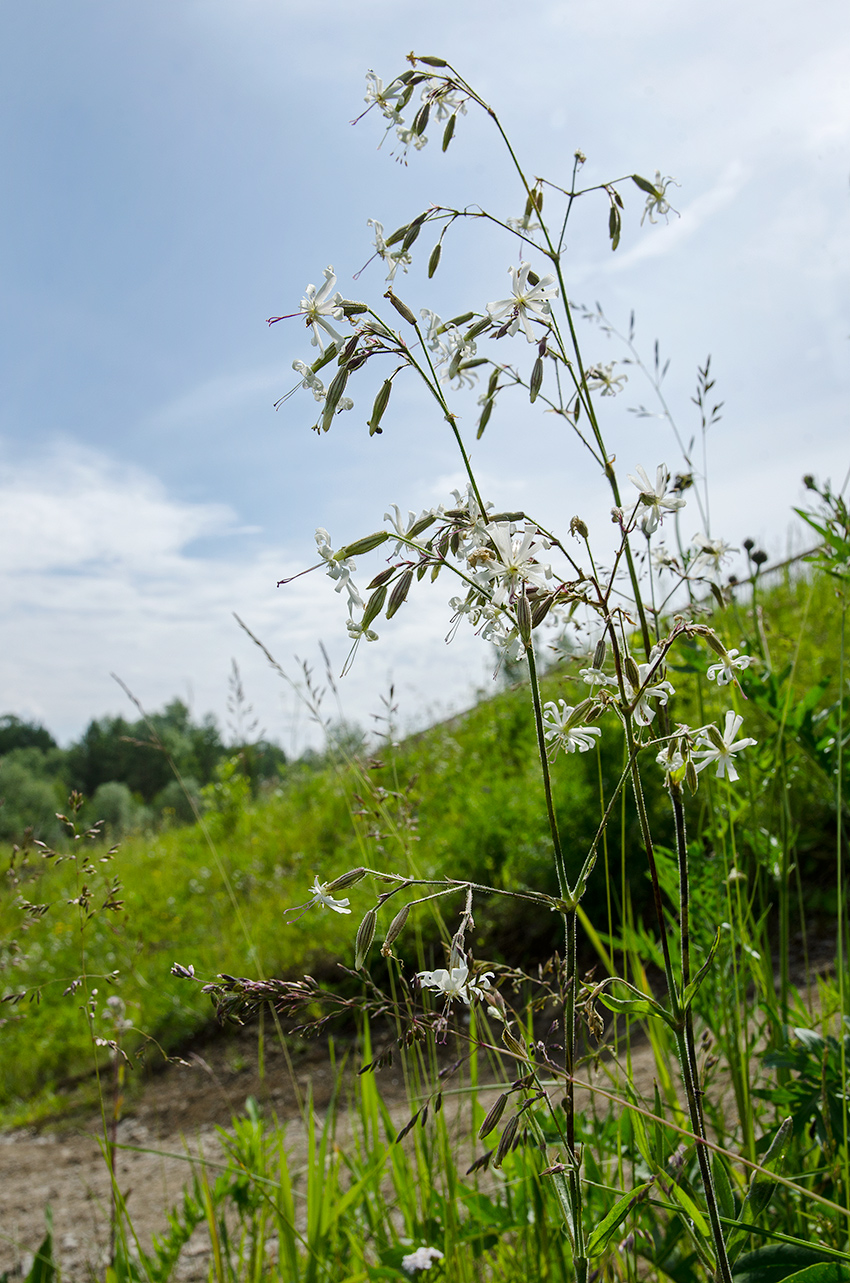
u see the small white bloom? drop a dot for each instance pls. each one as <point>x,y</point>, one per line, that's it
<point>310,380</point>
<point>603,377</point>
<point>395,257</point>
<point>657,203</point>
<point>654,497</point>
<point>528,302</point>
<point>455,983</point>
<point>356,631</point>
<point>721,748</point>
<point>421,1259</point>
<point>712,553</point>
<point>318,306</point>
<point>338,570</point>
<point>643,712</point>
<point>560,734</point>
<point>595,677</point>
<point>724,672</point>
<point>516,561</point>
<point>321,898</point>
<point>384,98</point>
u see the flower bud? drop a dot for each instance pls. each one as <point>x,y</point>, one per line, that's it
<point>434,260</point>
<point>484,420</point>
<point>365,936</point>
<point>422,524</point>
<point>395,929</point>
<point>399,593</point>
<point>472,333</point>
<point>536,381</point>
<point>398,235</point>
<point>542,606</point>
<point>360,546</point>
<point>632,672</point>
<point>492,1119</point>
<point>345,880</point>
<point>716,645</point>
<point>505,1141</point>
<point>382,400</point>
<point>353,309</point>
<point>431,62</point>
<point>513,1046</point>
<point>420,120</point>
<point>334,396</point>
<point>459,320</point>
<point>716,738</point>
<point>374,606</point>
<point>523,618</point>
<point>448,132</point>
<point>599,654</point>
<point>691,777</point>
<point>401,308</point>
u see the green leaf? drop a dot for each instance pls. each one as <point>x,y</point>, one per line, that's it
<point>691,990</point>
<point>781,1262</point>
<point>832,1272</point>
<point>722,1187</point>
<point>761,1189</point>
<point>607,1227</point>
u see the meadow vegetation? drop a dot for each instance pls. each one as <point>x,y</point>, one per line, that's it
<point>641,840</point>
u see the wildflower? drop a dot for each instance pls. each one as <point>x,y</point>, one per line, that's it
<point>724,672</point>
<point>455,983</point>
<point>338,570</point>
<point>561,733</point>
<point>657,204</point>
<point>376,93</point>
<point>516,561</point>
<point>603,377</point>
<point>446,343</point>
<point>528,301</point>
<point>720,748</point>
<point>394,258</point>
<point>321,898</point>
<point>645,690</point>
<point>318,306</point>
<point>421,1259</point>
<point>443,102</point>
<point>357,631</point>
<point>712,553</point>
<point>595,677</point>
<point>310,381</point>
<point>654,497</point>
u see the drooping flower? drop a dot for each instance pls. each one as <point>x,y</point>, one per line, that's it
<point>560,733</point>
<point>602,377</point>
<point>641,694</point>
<point>394,258</point>
<point>527,302</point>
<point>336,569</point>
<point>321,898</point>
<point>712,553</point>
<point>721,748</point>
<point>455,983</point>
<point>654,498</point>
<point>384,98</point>
<point>657,204</point>
<point>421,1259</point>
<point>724,672</point>
<point>317,306</point>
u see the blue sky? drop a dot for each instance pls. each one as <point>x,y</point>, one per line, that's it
<point>176,171</point>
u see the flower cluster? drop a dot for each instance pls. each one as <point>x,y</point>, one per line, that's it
<point>439,97</point>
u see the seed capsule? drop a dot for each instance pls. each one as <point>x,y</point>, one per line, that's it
<point>365,936</point>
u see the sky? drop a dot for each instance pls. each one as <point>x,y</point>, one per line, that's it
<point>176,172</point>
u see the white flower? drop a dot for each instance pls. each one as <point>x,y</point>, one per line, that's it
<point>446,343</point>
<point>338,570</point>
<point>310,380</point>
<point>323,900</point>
<point>394,258</point>
<point>595,677</point>
<point>642,712</point>
<point>375,92</point>
<point>527,301</point>
<point>720,748</point>
<point>443,102</point>
<point>724,672</point>
<point>455,983</point>
<point>357,631</point>
<point>602,376</point>
<point>712,553</point>
<point>560,734</point>
<point>421,1259</point>
<point>654,497</point>
<point>516,561</point>
<point>318,306</point>
<point>657,202</point>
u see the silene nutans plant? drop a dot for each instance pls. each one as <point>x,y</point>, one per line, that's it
<point>698,1196</point>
